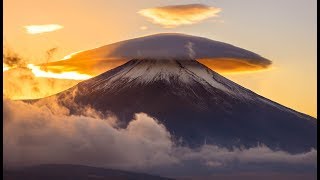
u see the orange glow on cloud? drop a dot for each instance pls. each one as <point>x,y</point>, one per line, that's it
<point>91,67</point>
<point>38,72</point>
<point>21,83</point>
<point>172,16</point>
<point>78,68</point>
<point>70,55</point>
<point>37,29</point>
<point>48,79</point>
<point>232,65</point>
<point>5,67</point>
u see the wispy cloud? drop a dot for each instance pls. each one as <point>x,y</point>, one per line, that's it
<point>37,29</point>
<point>38,72</point>
<point>172,16</point>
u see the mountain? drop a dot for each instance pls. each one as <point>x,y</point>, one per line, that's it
<point>196,105</point>
<point>67,172</point>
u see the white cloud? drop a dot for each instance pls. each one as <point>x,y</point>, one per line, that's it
<point>38,29</point>
<point>41,134</point>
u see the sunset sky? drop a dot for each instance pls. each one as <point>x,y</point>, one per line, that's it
<point>283,31</point>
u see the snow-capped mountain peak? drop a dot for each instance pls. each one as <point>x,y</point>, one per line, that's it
<point>194,103</point>
<point>187,72</point>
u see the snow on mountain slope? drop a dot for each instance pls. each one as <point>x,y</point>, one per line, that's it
<point>148,71</point>
<point>185,71</point>
<point>195,104</point>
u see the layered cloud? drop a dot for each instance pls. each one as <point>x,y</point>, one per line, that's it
<point>38,29</point>
<point>218,56</point>
<point>172,16</point>
<point>38,72</point>
<point>45,133</point>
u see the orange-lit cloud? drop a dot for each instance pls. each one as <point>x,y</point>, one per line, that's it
<point>70,55</point>
<point>83,65</point>
<point>78,68</point>
<point>37,29</point>
<point>218,56</point>
<point>90,67</point>
<point>50,78</point>
<point>5,67</point>
<point>21,83</point>
<point>172,16</point>
<point>234,65</point>
<point>38,72</point>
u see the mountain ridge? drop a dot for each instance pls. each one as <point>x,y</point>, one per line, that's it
<point>195,104</point>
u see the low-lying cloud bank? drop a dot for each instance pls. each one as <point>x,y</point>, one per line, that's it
<point>46,134</point>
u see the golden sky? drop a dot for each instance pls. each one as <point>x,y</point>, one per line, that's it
<point>41,31</point>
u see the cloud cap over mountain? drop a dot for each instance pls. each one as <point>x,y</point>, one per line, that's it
<point>219,56</point>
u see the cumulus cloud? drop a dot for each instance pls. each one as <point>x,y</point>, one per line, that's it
<point>46,133</point>
<point>81,139</point>
<point>172,16</point>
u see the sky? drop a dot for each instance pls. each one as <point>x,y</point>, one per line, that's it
<point>283,31</point>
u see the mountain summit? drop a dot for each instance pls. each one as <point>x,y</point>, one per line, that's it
<point>196,105</point>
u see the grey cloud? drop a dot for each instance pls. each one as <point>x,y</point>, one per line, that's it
<point>46,133</point>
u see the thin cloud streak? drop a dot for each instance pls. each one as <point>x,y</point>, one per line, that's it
<point>38,29</point>
<point>38,72</point>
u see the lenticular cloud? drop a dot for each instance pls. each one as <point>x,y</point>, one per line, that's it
<point>173,16</point>
<point>218,56</point>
